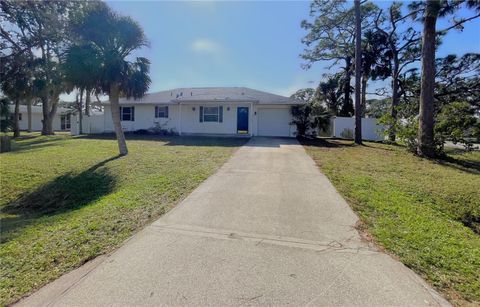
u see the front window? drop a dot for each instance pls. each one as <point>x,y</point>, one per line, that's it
<point>65,122</point>
<point>211,114</point>
<point>161,112</point>
<point>127,113</point>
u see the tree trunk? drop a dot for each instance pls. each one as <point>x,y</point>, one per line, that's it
<point>80,112</point>
<point>426,144</point>
<point>347,108</point>
<point>364,93</point>
<point>29,114</point>
<point>16,115</point>
<point>358,74</point>
<point>87,103</point>
<point>115,109</point>
<point>392,135</point>
<point>48,114</point>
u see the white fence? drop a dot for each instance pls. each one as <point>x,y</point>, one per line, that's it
<point>92,124</point>
<point>344,127</point>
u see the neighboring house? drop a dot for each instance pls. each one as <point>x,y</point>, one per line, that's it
<point>61,121</point>
<point>210,110</point>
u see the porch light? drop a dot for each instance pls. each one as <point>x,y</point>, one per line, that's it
<point>228,108</point>
<point>193,108</point>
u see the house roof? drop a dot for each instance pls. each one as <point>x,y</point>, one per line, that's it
<point>211,94</point>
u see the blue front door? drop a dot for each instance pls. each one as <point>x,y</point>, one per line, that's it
<point>242,120</point>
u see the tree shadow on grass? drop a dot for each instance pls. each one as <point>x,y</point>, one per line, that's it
<point>33,143</point>
<point>326,142</point>
<point>65,193</point>
<point>219,141</point>
<point>469,166</point>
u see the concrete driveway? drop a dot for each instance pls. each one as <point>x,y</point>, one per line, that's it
<point>267,229</point>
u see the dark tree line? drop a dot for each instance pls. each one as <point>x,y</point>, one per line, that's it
<point>54,47</point>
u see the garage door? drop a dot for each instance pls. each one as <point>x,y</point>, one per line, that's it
<point>274,122</point>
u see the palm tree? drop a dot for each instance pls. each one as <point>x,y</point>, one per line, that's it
<point>108,39</point>
<point>81,65</point>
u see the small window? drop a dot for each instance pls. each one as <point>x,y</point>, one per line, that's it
<point>161,112</point>
<point>65,122</point>
<point>127,114</point>
<point>19,116</point>
<point>211,114</point>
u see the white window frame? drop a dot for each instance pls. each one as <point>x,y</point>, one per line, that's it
<point>217,114</point>
<point>161,111</point>
<point>132,113</point>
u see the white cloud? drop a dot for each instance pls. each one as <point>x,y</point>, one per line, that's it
<point>203,45</point>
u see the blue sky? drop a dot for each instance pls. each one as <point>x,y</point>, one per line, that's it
<point>254,44</point>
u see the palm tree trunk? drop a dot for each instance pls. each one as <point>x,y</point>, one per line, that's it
<point>46,113</point>
<point>80,113</point>
<point>87,103</point>
<point>115,109</point>
<point>364,93</point>
<point>358,74</point>
<point>29,114</point>
<point>16,115</point>
<point>426,144</point>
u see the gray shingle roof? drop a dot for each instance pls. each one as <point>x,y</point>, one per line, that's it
<point>209,94</point>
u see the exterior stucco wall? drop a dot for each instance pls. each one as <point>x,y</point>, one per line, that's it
<point>184,118</point>
<point>190,119</point>
<point>144,118</point>
<point>37,121</point>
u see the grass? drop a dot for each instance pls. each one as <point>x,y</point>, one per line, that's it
<point>425,212</point>
<point>65,200</point>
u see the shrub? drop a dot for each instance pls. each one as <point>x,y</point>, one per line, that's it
<point>310,116</point>
<point>160,129</point>
<point>347,133</point>
<point>457,123</point>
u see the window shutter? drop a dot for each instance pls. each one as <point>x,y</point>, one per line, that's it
<point>220,114</point>
<point>166,111</point>
<point>156,111</point>
<point>201,114</point>
<point>133,114</point>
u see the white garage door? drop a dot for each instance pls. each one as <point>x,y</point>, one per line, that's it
<point>274,122</point>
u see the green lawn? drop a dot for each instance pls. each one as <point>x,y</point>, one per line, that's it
<point>425,212</point>
<point>65,200</point>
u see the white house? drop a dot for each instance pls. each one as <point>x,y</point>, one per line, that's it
<point>61,121</point>
<point>209,110</point>
<point>225,111</point>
